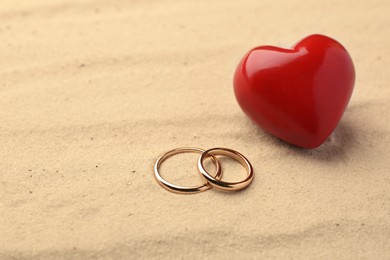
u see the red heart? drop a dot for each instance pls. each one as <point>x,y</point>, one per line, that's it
<point>298,94</point>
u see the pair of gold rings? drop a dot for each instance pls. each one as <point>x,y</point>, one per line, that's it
<point>211,181</point>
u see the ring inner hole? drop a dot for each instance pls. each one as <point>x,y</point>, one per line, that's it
<point>210,166</point>
<point>181,169</point>
<point>233,171</point>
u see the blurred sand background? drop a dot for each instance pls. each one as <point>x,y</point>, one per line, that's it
<point>92,92</point>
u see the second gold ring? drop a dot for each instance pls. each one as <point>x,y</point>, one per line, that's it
<point>222,185</point>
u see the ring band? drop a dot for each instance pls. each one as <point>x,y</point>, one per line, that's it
<point>182,189</point>
<point>221,185</point>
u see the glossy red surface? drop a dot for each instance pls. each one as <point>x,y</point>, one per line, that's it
<point>299,94</point>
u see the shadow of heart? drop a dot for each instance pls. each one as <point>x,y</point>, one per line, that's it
<point>336,148</point>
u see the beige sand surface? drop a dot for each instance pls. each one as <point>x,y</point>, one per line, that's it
<point>92,92</point>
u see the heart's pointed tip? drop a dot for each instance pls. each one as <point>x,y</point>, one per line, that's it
<point>306,144</point>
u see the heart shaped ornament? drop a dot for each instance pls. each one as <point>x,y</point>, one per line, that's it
<point>300,94</point>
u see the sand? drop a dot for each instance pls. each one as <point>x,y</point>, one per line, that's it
<point>93,92</point>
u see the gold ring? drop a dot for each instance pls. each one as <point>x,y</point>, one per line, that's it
<point>181,189</point>
<point>221,185</point>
